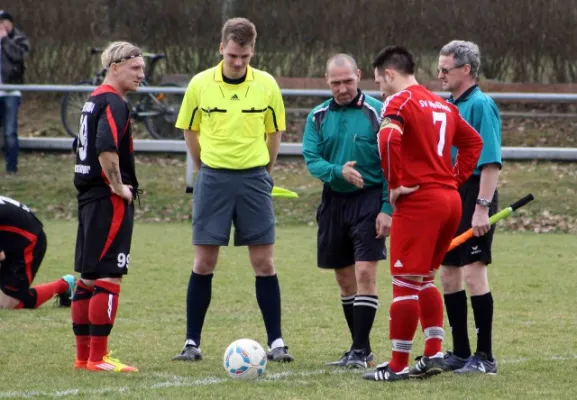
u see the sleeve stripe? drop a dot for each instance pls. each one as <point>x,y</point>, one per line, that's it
<point>373,110</point>
<point>389,155</point>
<point>274,118</point>
<point>112,124</point>
<point>192,118</point>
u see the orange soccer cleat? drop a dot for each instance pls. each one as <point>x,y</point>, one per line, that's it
<point>109,364</point>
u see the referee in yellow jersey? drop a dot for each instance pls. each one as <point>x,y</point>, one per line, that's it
<point>225,114</point>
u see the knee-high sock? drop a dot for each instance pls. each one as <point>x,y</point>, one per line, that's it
<point>403,321</point>
<point>431,316</point>
<point>80,321</point>
<point>101,314</point>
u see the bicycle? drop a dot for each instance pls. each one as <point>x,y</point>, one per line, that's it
<point>158,111</point>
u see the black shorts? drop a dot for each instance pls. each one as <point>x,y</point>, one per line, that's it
<point>347,232</point>
<point>19,269</point>
<point>104,238</point>
<point>476,248</point>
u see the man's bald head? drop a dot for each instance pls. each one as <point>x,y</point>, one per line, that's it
<point>342,60</point>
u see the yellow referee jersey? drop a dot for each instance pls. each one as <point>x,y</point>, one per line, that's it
<point>232,118</point>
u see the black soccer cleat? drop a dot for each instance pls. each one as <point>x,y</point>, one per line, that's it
<point>426,367</point>
<point>188,353</point>
<point>359,359</point>
<point>279,354</point>
<point>454,362</point>
<point>62,300</point>
<point>341,362</point>
<point>383,374</point>
<point>478,364</point>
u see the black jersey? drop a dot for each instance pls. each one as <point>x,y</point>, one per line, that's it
<point>104,126</point>
<point>18,225</point>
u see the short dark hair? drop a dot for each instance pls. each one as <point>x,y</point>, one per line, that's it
<point>239,30</point>
<point>395,57</point>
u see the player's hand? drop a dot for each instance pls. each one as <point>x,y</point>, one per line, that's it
<point>480,222</point>
<point>125,191</point>
<point>3,32</point>
<point>351,175</point>
<point>383,225</point>
<point>2,256</point>
<point>400,191</point>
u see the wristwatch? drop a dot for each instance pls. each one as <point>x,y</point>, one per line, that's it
<point>484,202</point>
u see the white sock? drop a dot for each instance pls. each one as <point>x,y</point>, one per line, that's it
<point>277,343</point>
<point>190,342</point>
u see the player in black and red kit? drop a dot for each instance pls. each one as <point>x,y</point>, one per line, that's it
<point>105,179</point>
<point>415,139</point>
<point>22,249</point>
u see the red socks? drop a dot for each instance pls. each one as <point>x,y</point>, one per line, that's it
<point>93,312</point>
<point>42,293</point>
<point>431,316</point>
<point>80,322</point>
<point>403,321</point>
<point>101,314</point>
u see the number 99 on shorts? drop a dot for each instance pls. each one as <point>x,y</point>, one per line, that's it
<point>123,260</point>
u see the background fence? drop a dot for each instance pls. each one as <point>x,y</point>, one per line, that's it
<point>294,149</point>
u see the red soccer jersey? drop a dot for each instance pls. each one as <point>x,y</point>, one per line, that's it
<point>421,154</point>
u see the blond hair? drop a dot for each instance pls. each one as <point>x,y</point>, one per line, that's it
<point>239,30</point>
<point>116,52</point>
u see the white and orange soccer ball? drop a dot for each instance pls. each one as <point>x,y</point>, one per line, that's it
<point>245,359</point>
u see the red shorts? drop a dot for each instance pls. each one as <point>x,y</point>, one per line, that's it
<point>424,223</point>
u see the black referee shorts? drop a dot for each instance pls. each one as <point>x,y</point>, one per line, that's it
<point>346,228</point>
<point>476,248</point>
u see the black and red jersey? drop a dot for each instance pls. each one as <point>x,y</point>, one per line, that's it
<point>18,225</point>
<point>104,126</point>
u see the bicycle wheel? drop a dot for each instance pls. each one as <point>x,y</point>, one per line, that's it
<point>71,109</point>
<point>159,112</point>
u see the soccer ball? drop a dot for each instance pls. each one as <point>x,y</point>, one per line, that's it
<point>245,359</point>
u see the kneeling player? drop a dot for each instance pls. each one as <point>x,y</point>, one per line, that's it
<point>22,248</point>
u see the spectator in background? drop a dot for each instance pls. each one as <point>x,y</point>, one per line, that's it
<point>14,47</point>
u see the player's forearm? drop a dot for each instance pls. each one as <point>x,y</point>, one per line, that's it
<point>321,169</point>
<point>2,256</point>
<point>488,182</point>
<point>111,168</point>
<point>273,145</point>
<point>193,146</point>
<point>469,145</point>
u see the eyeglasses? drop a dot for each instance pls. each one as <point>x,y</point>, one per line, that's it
<point>445,71</point>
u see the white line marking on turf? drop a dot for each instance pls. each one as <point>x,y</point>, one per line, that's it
<point>187,381</point>
<point>552,358</point>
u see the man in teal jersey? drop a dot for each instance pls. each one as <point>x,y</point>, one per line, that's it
<point>340,148</point>
<point>459,63</point>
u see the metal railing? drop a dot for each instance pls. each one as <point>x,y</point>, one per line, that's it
<point>295,149</point>
<point>497,96</point>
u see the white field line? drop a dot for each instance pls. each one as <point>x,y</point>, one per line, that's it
<point>171,380</point>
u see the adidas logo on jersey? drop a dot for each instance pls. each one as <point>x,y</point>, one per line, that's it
<point>234,97</point>
<point>398,264</point>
